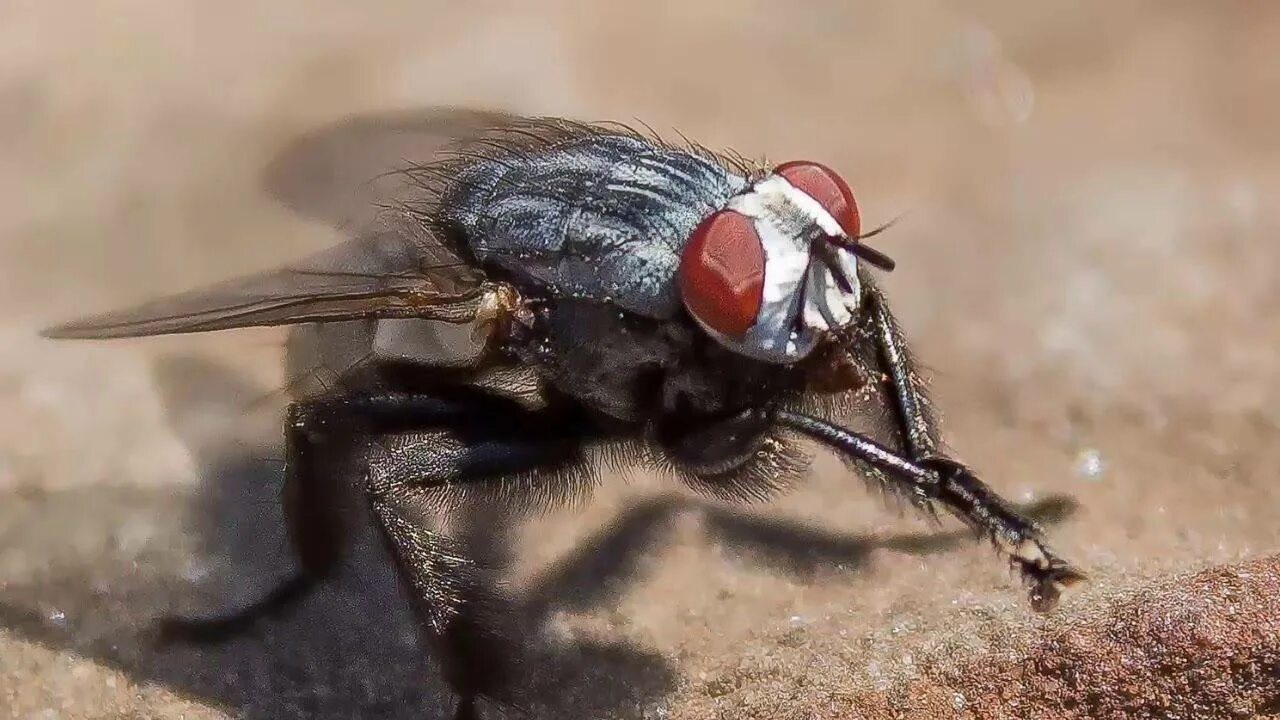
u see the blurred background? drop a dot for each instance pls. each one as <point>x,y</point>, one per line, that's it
<point>1087,264</point>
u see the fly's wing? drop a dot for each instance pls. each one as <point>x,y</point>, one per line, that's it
<point>347,174</point>
<point>385,274</point>
<point>343,172</point>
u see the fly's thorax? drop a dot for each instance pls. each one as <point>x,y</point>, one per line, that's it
<point>602,218</point>
<point>763,275</point>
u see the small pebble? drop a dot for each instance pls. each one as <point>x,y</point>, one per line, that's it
<point>196,570</point>
<point>1089,464</point>
<point>656,712</point>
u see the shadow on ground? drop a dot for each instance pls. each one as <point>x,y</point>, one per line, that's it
<point>114,560</point>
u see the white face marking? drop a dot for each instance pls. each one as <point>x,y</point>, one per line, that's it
<point>784,331</point>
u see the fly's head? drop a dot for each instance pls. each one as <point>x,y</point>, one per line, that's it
<point>774,272</point>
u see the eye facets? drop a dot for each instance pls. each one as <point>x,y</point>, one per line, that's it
<point>722,273</point>
<point>750,275</point>
<point>827,187</point>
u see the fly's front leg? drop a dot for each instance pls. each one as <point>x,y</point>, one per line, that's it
<point>961,492</point>
<point>917,423</point>
<point>950,483</point>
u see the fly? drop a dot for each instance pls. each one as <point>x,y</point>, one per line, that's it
<point>569,292</point>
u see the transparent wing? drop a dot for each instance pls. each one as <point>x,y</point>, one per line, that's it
<point>380,275</point>
<point>348,174</point>
<point>344,172</point>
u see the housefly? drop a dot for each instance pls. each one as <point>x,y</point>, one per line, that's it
<point>561,294</point>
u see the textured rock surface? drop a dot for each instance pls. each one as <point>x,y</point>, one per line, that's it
<point>1087,265</point>
<point>1205,645</point>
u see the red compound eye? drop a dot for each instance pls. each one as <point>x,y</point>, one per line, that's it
<point>722,273</point>
<point>830,190</point>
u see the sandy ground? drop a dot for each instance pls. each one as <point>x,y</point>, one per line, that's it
<point>1087,264</point>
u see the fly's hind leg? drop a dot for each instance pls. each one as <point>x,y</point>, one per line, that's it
<point>315,486</point>
<point>434,450</point>
<point>950,483</point>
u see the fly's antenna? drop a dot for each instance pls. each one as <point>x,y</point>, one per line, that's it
<point>866,252</point>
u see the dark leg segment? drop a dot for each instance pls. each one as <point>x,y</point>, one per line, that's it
<point>919,428</point>
<point>934,477</point>
<point>951,484</point>
<point>436,446</point>
<point>314,488</point>
<point>448,440</point>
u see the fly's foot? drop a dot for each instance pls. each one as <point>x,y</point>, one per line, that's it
<point>1045,585</point>
<point>1045,574</point>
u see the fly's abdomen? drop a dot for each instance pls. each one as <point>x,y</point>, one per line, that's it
<point>601,218</point>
